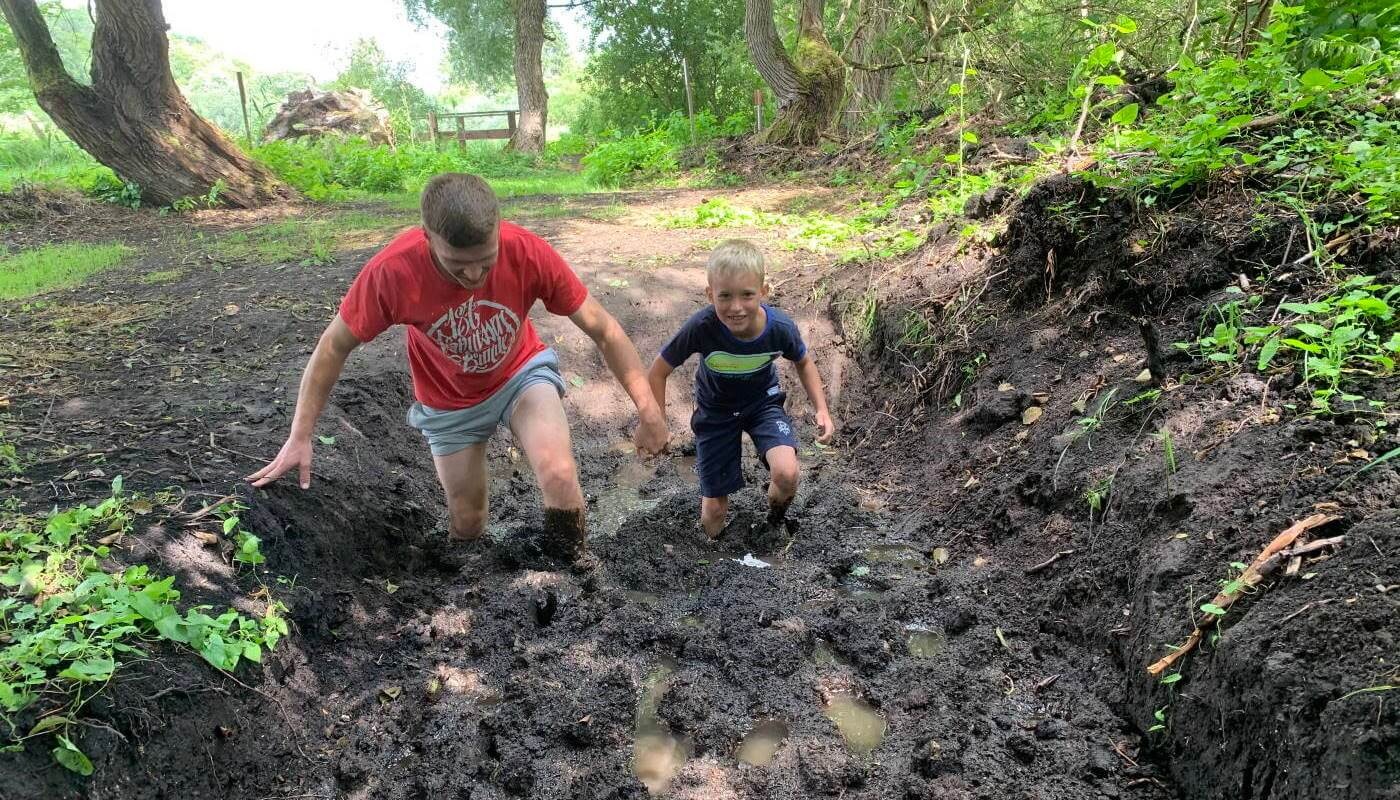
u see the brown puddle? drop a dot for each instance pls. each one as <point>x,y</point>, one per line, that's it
<point>924,642</point>
<point>762,743</point>
<point>861,726</point>
<point>657,754</point>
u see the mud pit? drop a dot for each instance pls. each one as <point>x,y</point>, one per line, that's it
<point>895,647</point>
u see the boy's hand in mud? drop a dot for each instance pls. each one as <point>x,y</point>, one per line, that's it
<point>652,436</point>
<point>295,454</point>
<point>826,426</point>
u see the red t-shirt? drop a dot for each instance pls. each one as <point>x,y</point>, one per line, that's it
<point>463,344</point>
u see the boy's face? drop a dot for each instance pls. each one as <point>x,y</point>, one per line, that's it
<point>736,298</point>
<point>465,266</point>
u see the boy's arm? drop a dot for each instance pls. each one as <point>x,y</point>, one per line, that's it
<point>812,382</point>
<point>657,376</point>
<point>322,371</point>
<point>621,355</point>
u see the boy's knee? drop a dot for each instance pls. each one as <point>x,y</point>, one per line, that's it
<point>785,475</point>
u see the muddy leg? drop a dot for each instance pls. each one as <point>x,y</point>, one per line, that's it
<point>542,430</point>
<point>782,482</point>
<point>463,478</point>
<point>713,511</point>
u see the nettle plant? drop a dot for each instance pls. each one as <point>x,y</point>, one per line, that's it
<point>1348,333</point>
<point>68,623</point>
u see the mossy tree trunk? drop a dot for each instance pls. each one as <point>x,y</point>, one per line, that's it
<point>133,117</point>
<point>808,84</point>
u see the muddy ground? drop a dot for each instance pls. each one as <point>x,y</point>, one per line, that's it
<point>911,603</point>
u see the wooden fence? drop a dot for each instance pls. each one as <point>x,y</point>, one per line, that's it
<point>453,125</point>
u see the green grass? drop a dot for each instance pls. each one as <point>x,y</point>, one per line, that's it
<point>162,276</point>
<point>55,267</point>
<point>306,242</point>
<point>45,163</point>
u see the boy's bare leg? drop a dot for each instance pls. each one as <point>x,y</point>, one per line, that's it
<point>542,429</point>
<point>783,477</point>
<point>713,511</point>
<point>463,478</point>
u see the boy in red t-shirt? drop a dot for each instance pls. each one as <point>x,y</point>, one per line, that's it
<point>463,285</point>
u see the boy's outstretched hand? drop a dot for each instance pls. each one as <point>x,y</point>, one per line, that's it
<point>826,426</point>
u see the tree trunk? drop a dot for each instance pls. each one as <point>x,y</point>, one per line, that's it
<point>808,85</point>
<point>529,76</point>
<point>868,87</point>
<point>133,118</point>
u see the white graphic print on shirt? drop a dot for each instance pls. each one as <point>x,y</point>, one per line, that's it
<point>477,335</point>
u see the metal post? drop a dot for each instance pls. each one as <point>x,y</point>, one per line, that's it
<point>689,101</point>
<point>243,101</point>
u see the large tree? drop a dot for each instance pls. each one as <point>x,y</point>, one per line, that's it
<point>808,84</point>
<point>133,117</point>
<point>478,32</point>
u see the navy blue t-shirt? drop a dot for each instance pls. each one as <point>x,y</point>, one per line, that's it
<point>734,373</point>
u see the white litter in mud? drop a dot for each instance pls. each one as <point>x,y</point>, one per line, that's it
<point>749,561</point>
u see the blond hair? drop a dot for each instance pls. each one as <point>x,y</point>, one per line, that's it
<point>735,257</point>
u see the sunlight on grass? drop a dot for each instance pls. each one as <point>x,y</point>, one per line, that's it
<point>307,242</point>
<point>55,267</point>
<point>162,276</point>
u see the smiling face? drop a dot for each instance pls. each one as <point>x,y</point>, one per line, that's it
<point>737,297</point>
<point>466,266</point>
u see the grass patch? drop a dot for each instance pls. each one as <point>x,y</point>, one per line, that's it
<point>162,276</point>
<point>55,267</point>
<point>306,242</point>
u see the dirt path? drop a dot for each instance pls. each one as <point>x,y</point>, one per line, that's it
<point>871,665</point>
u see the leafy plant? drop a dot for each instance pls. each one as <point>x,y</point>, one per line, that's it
<point>68,624</point>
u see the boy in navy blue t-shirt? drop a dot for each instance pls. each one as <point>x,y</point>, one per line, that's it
<point>738,338</point>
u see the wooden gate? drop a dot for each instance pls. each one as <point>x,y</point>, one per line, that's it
<point>453,125</point>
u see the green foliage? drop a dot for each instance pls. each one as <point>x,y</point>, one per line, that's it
<point>56,266</point>
<point>627,160</point>
<point>68,624</point>
<point>1351,331</point>
<point>1313,134</point>
<point>634,71</point>
<point>331,169</point>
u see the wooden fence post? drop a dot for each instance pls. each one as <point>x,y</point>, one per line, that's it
<point>758,110</point>
<point>432,128</point>
<point>461,133</point>
<point>510,122</point>
<point>689,101</point>
<point>243,101</point>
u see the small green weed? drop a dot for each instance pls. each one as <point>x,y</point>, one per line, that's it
<point>56,266</point>
<point>162,276</point>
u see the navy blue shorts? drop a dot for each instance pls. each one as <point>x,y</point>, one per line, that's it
<point>719,442</point>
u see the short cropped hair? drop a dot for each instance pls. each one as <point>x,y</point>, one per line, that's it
<point>461,208</point>
<point>735,257</point>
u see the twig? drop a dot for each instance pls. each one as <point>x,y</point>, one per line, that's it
<point>1044,565</point>
<point>1047,683</point>
<point>1308,606</point>
<point>1254,574</point>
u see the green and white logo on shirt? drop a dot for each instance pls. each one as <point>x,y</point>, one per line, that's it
<point>736,364</point>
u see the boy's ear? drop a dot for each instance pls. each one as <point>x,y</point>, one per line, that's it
<point>710,294</point>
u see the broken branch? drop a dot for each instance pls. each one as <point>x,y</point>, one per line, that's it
<point>1266,562</point>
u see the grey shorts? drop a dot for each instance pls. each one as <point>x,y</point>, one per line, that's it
<point>450,431</point>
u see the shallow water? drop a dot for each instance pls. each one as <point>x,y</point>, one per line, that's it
<point>861,726</point>
<point>762,743</point>
<point>657,754</point>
